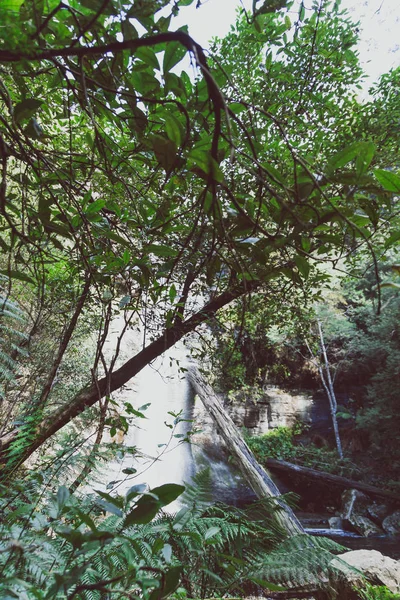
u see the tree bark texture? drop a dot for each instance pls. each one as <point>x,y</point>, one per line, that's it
<point>252,471</point>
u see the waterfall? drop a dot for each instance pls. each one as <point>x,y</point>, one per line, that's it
<point>159,392</point>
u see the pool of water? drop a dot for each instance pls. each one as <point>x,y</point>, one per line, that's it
<point>388,545</point>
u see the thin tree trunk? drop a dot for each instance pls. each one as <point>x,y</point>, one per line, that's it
<point>253,472</point>
<point>84,474</point>
<point>327,384</point>
<point>63,345</point>
<point>330,390</point>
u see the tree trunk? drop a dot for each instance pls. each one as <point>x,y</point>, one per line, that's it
<point>329,390</point>
<point>252,471</point>
<point>327,478</point>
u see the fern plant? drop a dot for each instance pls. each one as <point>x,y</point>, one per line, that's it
<point>56,545</point>
<point>12,319</point>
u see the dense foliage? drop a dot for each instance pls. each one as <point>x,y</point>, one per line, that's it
<point>136,193</point>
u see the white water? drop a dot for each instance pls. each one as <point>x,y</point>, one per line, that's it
<point>159,389</point>
<point>159,456</point>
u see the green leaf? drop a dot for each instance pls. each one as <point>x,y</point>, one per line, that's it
<point>139,120</point>
<point>129,32</point>
<point>13,274</point>
<point>167,552</point>
<point>95,207</point>
<point>168,493</point>
<point>11,5</point>
<point>388,180</point>
<point>173,55</point>
<point>135,490</point>
<point>129,471</point>
<point>171,581</point>
<point>173,130</point>
<point>395,237</point>
<point>160,250</point>
<point>165,151</point>
<point>211,532</point>
<point>144,512</point>
<point>115,501</point>
<point>267,584</point>
<point>342,158</point>
<point>203,160</point>
<point>172,293</point>
<point>364,158</point>
<point>236,107</point>
<point>62,496</point>
<point>274,173</point>
<point>148,56</point>
<point>111,508</point>
<point>26,109</point>
<point>302,265</point>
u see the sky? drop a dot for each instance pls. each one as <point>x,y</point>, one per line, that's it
<point>379,28</point>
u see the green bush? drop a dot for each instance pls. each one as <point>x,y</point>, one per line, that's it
<point>277,443</point>
<point>281,443</point>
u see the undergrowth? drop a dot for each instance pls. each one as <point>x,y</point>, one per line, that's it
<point>56,545</point>
<point>281,443</point>
<point>377,592</point>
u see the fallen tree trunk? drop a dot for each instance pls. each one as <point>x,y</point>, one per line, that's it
<point>327,478</point>
<point>252,471</point>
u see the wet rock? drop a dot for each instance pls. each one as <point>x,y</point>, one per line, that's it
<point>378,512</point>
<point>392,523</point>
<point>376,567</point>
<point>355,513</point>
<point>365,526</point>
<point>354,502</point>
<point>336,523</point>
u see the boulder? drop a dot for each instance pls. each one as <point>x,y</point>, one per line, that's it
<point>355,513</point>
<point>354,502</point>
<point>392,523</point>
<point>365,526</point>
<point>378,511</point>
<point>375,567</point>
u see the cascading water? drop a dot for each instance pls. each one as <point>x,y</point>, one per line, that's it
<point>161,392</point>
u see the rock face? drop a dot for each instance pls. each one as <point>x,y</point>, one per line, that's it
<point>365,526</point>
<point>376,567</point>
<point>273,408</point>
<point>392,523</point>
